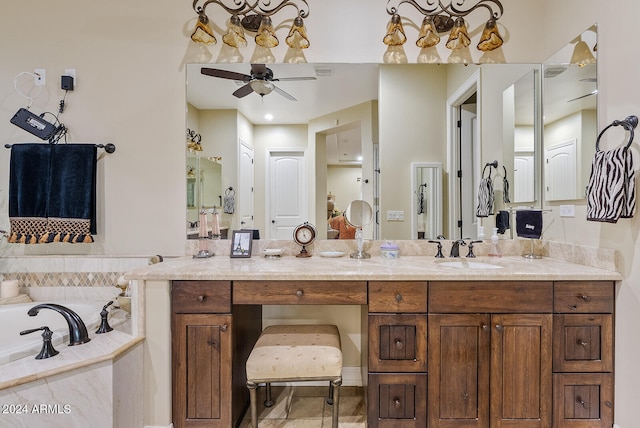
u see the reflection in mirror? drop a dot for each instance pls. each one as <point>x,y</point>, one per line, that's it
<point>359,214</point>
<point>204,188</point>
<point>426,212</point>
<point>570,118</point>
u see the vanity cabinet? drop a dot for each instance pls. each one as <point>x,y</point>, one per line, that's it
<point>397,362</point>
<point>490,360</point>
<point>211,340</point>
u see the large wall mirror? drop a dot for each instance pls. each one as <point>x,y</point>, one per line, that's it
<point>570,90</point>
<point>339,127</point>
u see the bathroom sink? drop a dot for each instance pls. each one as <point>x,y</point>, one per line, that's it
<point>464,264</point>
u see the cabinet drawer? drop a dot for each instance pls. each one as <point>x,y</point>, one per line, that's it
<point>583,400</point>
<point>490,296</point>
<point>583,297</point>
<point>300,292</point>
<point>397,296</point>
<point>583,343</point>
<point>397,400</point>
<point>398,343</point>
<point>192,297</point>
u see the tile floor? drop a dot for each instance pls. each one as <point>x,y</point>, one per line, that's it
<point>305,407</point>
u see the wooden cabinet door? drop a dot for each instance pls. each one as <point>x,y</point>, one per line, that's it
<point>521,370</point>
<point>202,370</point>
<point>458,364</point>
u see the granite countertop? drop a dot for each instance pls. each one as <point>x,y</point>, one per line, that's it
<point>289,267</point>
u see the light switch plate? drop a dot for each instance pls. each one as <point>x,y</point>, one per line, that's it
<point>395,215</point>
<point>567,210</point>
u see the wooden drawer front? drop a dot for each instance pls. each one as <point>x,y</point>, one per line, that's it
<point>398,343</point>
<point>583,343</point>
<point>397,296</point>
<point>490,296</point>
<point>193,297</point>
<point>397,400</point>
<point>583,400</point>
<point>583,297</point>
<point>300,292</point>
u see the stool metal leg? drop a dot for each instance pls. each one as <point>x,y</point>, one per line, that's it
<point>253,404</point>
<point>268,402</point>
<point>335,388</point>
<point>330,397</point>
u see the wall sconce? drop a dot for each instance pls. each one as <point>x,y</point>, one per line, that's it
<point>256,18</point>
<point>582,55</point>
<point>193,141</point>
<point>440,17</point>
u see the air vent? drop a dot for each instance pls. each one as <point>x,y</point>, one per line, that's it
<point>323,71</point>
<point>553,71</point>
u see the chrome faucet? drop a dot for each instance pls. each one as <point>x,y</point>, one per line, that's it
<point>455,248</point>
<point>77,329</point>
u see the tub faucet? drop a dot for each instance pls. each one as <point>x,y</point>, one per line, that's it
<point>455,248</point>
<point>77,329</point>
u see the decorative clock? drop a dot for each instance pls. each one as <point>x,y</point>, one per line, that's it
<point>303,235</point>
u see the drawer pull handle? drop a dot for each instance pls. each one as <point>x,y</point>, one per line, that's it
<point>586,298</point>
<point>399,344</point>
<point>582,402</point>
<point>499,327</point>
<point>398,297</point>
<point>573,307</point>
<point>201,298</point>
<point>224,327</point>
<point>299,293</point>
<point>582,342</point>
<point>397,403</point>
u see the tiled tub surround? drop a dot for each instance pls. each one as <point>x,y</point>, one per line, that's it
<point>416,263</point>
<point>96,384</point>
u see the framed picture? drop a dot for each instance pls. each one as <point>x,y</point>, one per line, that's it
<point>241,241</point>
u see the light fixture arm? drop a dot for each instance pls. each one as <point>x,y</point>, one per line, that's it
<point>432,7</point>
<point>260,7</point>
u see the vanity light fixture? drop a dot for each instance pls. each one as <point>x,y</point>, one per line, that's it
<point>442,17</point>
<point>193,141</point>
<point>256,18</point>
<point>582,55</point>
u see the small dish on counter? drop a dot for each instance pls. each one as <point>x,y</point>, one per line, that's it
<point>331,253</point>
<point>272,252</point>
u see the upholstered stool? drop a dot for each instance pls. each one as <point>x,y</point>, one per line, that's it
<point>295,353</point>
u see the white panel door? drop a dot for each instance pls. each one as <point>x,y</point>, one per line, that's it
<point>469,161</point>
<point>523,178</point>
<point>287,198</point>
<point>560,172</point>
<point>245,187</point>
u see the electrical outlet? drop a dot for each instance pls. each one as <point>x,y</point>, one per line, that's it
<point>40,77</point>
<point>567,210</point>
<point>395,215</point>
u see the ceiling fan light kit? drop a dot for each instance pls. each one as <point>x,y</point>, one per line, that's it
<point>256,18</point>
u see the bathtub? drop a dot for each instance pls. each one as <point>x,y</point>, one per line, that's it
<point>14,319</point>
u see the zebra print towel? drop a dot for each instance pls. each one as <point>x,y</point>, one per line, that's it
<point>611,193</point>
<point>485,197</point>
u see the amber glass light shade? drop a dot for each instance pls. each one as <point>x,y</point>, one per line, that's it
<point>491,38</point>
<point>459,37</point>
<point>428,36</point>
<point>235,34</point>
<point>297,38</point>
<point>266,36</point>
<point>582,54</point>
<point>395,33</point>
<point>203,33</point>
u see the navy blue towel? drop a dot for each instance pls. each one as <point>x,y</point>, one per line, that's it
<point>52,193</point>
<point>502,221</point>
<point>529,223</point>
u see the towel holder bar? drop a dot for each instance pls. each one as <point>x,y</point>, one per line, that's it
<point>629,123</point>
<point>109,147</point>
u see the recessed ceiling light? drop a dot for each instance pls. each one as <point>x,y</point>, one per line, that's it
<point>268,116</point>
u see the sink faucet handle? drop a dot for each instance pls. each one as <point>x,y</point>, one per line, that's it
<point>470,253</point>
<point>439,253</point>
<point>47,350</point>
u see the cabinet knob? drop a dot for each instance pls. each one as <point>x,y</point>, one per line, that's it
<point>582,342</point>
<point>398,297</point>
<point>499,327</point>
<point>586,298</point>
<point>573,307</point>
<point>396,402</point>
<point>399,344</point>
<point>211,343</point>
<point>299,293</point>
<point>201,298</point>
<point>582,402</point>
<point>224,327</point>
<point>485,327</point>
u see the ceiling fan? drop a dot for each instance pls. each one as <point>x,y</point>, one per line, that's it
<point>259,81</point>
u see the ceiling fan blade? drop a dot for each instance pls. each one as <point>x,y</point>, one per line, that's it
<point>291,79</point>
<point>225,74</point>
<point>283,93</point>
<point>583,96</point>
<point>243,91</point>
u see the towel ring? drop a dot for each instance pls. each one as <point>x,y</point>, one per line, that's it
<point>629,123</point>
<point>489,164</point>
<point>229,192</point>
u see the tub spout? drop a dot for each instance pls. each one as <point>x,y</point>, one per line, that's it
<point>77,329</point>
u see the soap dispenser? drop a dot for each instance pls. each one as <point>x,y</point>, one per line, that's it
<point>495,251</point>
